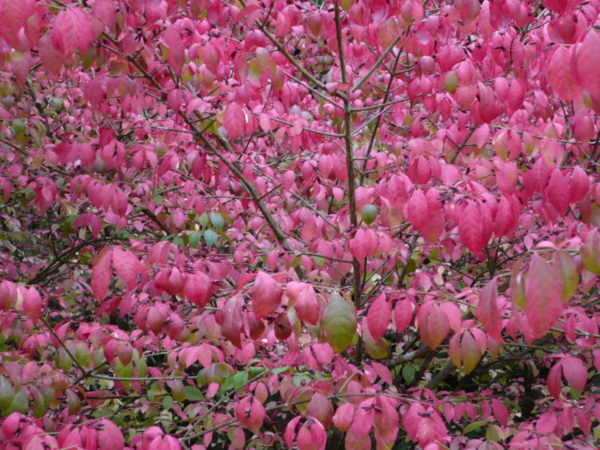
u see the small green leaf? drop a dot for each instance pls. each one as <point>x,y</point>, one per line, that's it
<point>408,373</point>
<point>319,261</point>
<point>217,220</point>
<point>235,381</point>
<point>203,220</point>
<point>281,370</point>
<point>193,394</point>
<point>210,237</point>
<point>474,426</point>
<point>194,238</point>
<point>491,433</point>
<point>167,402</point>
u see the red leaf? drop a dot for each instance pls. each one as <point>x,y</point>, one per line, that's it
<point>343,416</point>
<point>418,210</point>
<point>109,436</point>
<point>266,295</point>
<point>560,74</point>
<point>474,231</point>
<point>127,266</point>
<point>579,185</point>
<point>198,288</point>
<point>101,274</point>
<point>553,380</point>
<point>588,63</point>
<point>543,296</point>
<point>359,245</point>
<point>506,217</point>
<point>306,305</point>
<point>500,412</point>
<point>14,16</point>
<point>574,372</point>
<point>320,408</point>
<point>72,30</point>
<point>234,121</point>
<point>433,325</point>
<point>106,12</point>
<point>424,425</point>
<point>363,419</point>
<point>557,192</point>
<point>488,312</point>
<point>250,413</point>
<point>232,320</point>
<point>403,314</point>
<point>379,316</point>
<point>290,431</point>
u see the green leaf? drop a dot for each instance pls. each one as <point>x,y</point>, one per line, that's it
<point>474,426</point>
<point>210,237</point>
<point>281,370</point>
<point>194,238</point>
<point>408,373</point>
<point>339,323</point>
<point>235,381</point>
<point>491,433</point>
<point>203,220</point>
<point>217,220</point>
<point>298,379</point>
<point>167,402</point>
<point>193,394</point>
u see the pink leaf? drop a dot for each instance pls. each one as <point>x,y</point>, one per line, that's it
<point>561,76</point>
<point>588,63</point>
<point>574,372</point>
<point>343,416</point>
<point>234,121</point>
<point>290,431</point>
<point>106,12</point>
<point>488,312</point>
<point>403,314</point>
<point>379,316</point>
<point>109,436</point>
<point>266,295</point>
<point>198,288</point>
<point>433,325</point>
<point>579,185</point>
<point>101,274</point>
<point>500,412</point>
<point>306,305</point>
<point>418,210</point>
<point>474,231</point>
<point>557,192</point>
<point>127,266</point>
<point>232,320</point>
<point>543,296</point>
<point>72,30</point>
<point>363,419</point>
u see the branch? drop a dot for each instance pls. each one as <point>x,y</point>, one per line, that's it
<point>360,82</point>
<point>256,198</point>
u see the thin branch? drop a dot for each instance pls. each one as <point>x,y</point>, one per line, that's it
<point>360,82</point>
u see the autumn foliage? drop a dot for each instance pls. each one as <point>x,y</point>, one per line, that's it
<point>299,224</point>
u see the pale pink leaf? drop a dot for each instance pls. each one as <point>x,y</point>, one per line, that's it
<point>488,312</point>
<point>101,274</point>
<point>543,296</point>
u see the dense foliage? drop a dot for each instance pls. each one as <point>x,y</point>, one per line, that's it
<point>276,223</point>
